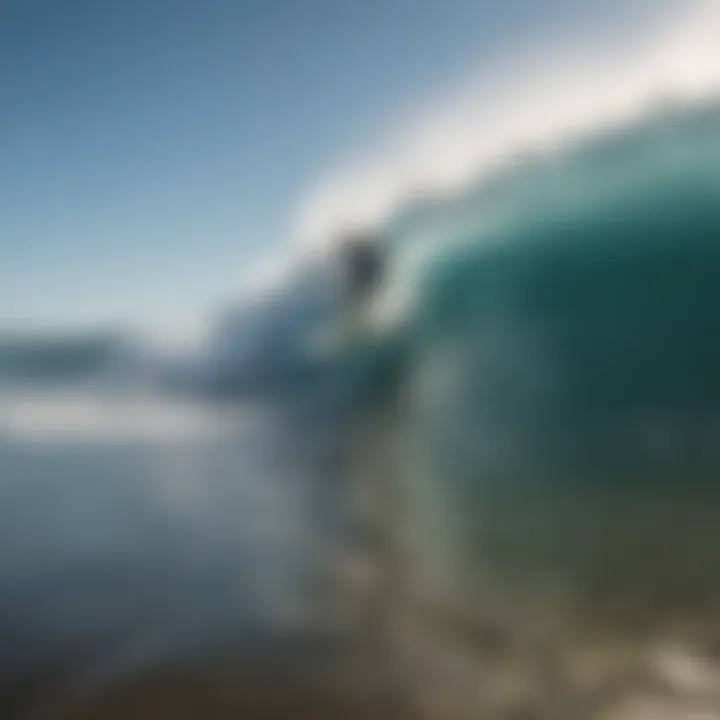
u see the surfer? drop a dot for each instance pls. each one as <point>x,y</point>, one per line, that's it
<point>371,541</point>
<point>363,266</point>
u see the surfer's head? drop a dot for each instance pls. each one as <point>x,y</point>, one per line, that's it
<point>361,264</point>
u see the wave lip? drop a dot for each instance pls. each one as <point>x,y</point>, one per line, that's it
<point>537,99</point>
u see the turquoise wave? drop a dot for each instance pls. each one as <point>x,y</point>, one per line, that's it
<point>571,300</point>
<point>560,367</point>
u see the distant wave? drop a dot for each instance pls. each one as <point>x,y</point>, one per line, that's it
<point>38,357</point>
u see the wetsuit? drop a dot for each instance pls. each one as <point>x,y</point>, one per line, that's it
<point>363,268</point>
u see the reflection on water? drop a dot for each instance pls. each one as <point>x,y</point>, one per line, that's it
<point>132,531</point>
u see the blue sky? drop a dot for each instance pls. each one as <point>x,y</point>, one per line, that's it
<point>151,150</point>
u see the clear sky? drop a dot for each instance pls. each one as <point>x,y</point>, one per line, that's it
<point>150,150</point>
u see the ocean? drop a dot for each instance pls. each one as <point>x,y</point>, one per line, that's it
<point>137,530</point>
<point>544,382</point>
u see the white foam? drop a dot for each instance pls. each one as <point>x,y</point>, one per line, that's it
<point>77,417</point>
<point>538,98</point>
